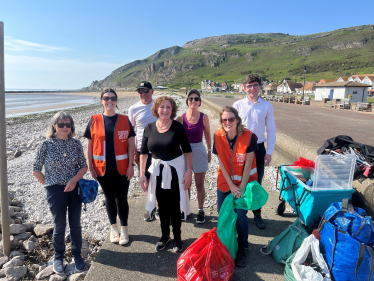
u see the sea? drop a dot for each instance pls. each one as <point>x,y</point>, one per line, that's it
<point>36,102</point>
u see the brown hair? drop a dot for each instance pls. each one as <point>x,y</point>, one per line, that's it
<point>239,126</point>
<point>193,91</point>
<point>109,90</point>
<point>159,101</point>
<point>251,79</point>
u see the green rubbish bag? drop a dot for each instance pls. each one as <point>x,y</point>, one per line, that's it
<point>253,198</point>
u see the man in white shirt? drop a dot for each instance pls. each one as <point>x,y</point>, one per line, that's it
<point>257,116</point>
<point>140,115</point>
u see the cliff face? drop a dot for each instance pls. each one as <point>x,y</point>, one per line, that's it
<point>272,55</point>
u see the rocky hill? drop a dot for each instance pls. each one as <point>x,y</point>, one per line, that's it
<point>275,56</point>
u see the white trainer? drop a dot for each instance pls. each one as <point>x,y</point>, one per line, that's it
<point>114,236</point>
<point>124,236</point>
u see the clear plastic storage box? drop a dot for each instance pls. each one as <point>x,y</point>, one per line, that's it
<point>333,172</point>
<point>296,172</point>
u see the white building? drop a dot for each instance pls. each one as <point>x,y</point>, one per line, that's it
<point>206,85</point>
<point>341,90</point>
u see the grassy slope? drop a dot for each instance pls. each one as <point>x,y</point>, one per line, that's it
<point>272,62</point>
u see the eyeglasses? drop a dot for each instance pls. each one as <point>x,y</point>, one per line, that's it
<point>232,119</point>
<point>61,125</point>
<point>109,98</point>
<point>255,86</point>
<point>145,91</point>
<point>191,99</point>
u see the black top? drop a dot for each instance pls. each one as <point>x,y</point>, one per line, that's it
<point>109,124</point>
<point>165,146</point>
<point>251,148</point>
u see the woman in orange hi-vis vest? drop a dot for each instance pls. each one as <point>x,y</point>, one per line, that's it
<point>235,146</point>
<point>110,155</point>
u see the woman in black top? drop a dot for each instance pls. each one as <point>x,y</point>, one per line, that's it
<point>114,185</point>
<point>169,179</point>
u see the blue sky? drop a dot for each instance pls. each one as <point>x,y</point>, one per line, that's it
<point>68,44</point>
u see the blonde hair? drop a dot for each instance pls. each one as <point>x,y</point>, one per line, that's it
<point>239,126</point>
<point>159,101</point>
<point>51,133</point>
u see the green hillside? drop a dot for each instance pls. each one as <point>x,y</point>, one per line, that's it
<point>274,56</point>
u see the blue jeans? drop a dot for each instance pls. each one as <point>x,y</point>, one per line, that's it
<point>241,222</point>
<point>59,203</point>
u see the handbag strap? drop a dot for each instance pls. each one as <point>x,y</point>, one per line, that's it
<point>361,256</point>
<point>347,206</point>
<point>275,241</point>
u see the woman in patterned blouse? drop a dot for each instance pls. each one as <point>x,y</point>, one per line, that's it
<point>62,155</point>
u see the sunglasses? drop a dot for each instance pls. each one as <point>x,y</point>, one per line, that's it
<point>194,99</point>
<point>109,98</point>
<point>143,91</point>
<point>255,86</point>
<point>232,119</point>
<point>61,125</point>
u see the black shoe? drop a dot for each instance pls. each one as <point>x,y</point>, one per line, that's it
<point>259,222</point>
<point>200,217</point>
<point>241,257</point>
<point>177,245</point>
<point>160,245</point>
<point>157,214</point>
<point>183,217</point>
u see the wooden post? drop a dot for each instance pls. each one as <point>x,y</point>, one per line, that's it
<point>3,160</point>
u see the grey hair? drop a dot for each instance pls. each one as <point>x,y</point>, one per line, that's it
<point>51,133</point>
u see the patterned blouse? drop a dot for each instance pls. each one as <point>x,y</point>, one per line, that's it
<point>61,159</point>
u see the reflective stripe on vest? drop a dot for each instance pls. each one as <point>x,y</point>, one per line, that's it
<point>239,178</point>
<point>122,157</point>
<point>98,157</point>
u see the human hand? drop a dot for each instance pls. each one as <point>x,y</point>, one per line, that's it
<point>209,156</point>
<point>187,179</point>
<point>93,173</point>
<point>267,159</point>
<point>136,157</point>
<point>235,190</point>
<point>130,172</point>
<point>70,185</point>
<point>144,183</point>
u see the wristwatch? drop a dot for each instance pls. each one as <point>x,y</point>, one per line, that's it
<point>133,164</point>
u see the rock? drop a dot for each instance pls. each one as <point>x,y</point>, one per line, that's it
<point>17,254</point>
<point>29,226</point>
<point>2,274</point>
<point>16,209</point>
<point>33,239</point>
<point>46,272</point>
<point>16,272</point>
<point>20,214</point>
<point>29,245</point>
<point>18,153</point>
<point>57,277</point>
<point>3,260</point>
<point>15,202</point>
<point>14,262</point>
<point>11,211</point>
<point>42,229</point>
<point>70,268</point>
<point>77,276</point>
<point>17,229</point>
<point>23,236</point>
<point>85,252</point>
<point>13,241</point>
<point>85,244</point>
<point>17,221</point>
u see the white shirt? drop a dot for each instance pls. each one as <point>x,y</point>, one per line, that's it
<point>257,117</point>
<point>140,115</point>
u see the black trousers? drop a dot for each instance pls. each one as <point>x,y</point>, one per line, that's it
<point>115,187</point>
<point>169,204</point>
<point>260,155</point>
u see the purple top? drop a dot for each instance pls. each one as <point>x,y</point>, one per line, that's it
<point>194,131</point>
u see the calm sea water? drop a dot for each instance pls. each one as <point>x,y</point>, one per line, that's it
<point>30,101</point>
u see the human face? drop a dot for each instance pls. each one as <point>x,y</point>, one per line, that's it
<point>193,104</point>
<point>229,127</point>
<point>62,133</point>
<point>165,110</point>
<point>109,106</point>
<point>145,98</point>
<point>252,90</point>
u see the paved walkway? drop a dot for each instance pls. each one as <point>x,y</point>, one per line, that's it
<point>313,125</point>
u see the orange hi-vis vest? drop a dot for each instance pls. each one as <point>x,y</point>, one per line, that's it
<point>121,133</point>
<point>233,161</point>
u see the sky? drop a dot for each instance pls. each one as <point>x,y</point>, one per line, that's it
<point>68,44</point>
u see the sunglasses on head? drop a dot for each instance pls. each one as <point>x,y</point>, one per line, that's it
<point>143,91</point>
<point>232,119</point>
<point>109,98</point>
<point>61,125</point>
<point>194,99</point>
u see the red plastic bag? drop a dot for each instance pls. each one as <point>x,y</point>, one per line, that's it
<point>302,162</point>
<point>207,259</point>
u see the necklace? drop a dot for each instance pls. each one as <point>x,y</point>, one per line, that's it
<point>163,127</point>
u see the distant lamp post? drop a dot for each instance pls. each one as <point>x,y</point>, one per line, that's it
<point>304,81</point>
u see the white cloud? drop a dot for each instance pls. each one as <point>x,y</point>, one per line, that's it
<point>17,45</point>
<point>26,72</point>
